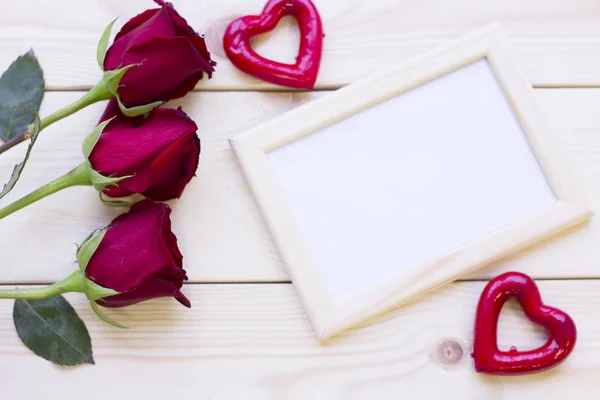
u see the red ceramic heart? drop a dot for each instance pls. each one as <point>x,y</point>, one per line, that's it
<point>302,74</point>
<point>560,327</point>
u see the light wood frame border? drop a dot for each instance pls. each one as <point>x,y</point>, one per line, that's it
<point>329,317</point>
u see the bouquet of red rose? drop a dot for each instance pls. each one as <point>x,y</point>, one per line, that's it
<point>138,149</point>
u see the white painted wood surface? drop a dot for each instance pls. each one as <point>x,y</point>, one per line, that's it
<point>255,342</point>
<point>558,41</point>
<point>220,229</point>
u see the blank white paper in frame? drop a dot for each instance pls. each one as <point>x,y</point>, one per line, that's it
<point>390,186</point>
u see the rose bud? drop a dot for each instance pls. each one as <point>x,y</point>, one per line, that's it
<point>158,153</point>
<point>169,57</point>
<point>137,256</point>
<point>155,154</point>
<point>155,57</point>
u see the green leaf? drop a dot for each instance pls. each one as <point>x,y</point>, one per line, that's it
<point>88,248</point>
<point>105,317</point>
<point>52,329</point>
<point>139,110</point>
<point>34,130</point>
<point>103,44</point>
<point>21,93</point>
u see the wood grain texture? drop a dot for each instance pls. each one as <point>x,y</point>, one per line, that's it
<point>557,41</point>
<point>220,230</point>
<point>255,342</point>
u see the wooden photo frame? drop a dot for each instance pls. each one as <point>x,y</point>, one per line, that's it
<point>381,191</point>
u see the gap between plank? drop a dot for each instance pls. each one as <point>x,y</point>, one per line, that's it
<point>322,88</point>
<point>287,282</point>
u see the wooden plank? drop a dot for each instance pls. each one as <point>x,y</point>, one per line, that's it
<point>220,230</point>
<point>557,41</point>
<point>255,342</point>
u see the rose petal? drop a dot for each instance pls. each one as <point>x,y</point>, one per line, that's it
<point>132,249</point>
<point>131,145</point>
<point>175,275</point>
<point>183,28</point>
<point>174,270</point>
<point>186,86</point>
<point>200,45</point>
<point>151,288</point>
<point>171,242</point>
<point>158,25</point>
<point>180,24</point>
<point>156,79</point>
<point>135,22</point>
<point>173,169</point>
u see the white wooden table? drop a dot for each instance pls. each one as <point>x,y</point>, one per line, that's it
<point>247,336</point>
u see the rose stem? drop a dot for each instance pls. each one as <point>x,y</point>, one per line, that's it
<point>73,283</point>
<point>97,93</point>
<point>78,176</point>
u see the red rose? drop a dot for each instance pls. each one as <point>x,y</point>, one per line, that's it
<point>138,257</point>
<point>173,56</point>
<point>160,151</point>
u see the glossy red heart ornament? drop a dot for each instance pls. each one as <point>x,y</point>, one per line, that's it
<point>561,328</point>
<point>302,74</point>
